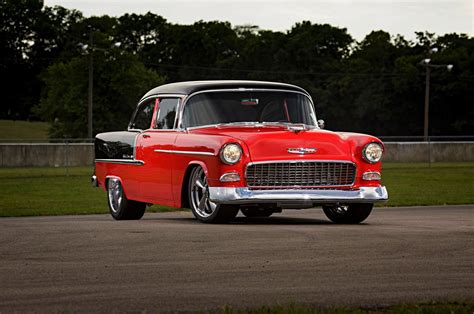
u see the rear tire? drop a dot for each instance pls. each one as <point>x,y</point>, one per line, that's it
<point>202,207</point>
<point>120,207</point>
<point>348,214</point>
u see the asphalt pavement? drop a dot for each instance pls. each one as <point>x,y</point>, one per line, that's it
<point>171,262</point>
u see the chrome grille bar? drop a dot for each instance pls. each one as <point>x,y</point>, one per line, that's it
<point>300,174</point>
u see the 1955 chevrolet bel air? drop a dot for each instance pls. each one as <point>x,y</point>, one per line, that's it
<point>218,147</point>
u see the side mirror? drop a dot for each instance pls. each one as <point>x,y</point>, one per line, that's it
<point>321,124</point>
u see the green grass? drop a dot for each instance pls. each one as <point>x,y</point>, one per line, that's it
<point>424,184</point>
<point>424,308</point>
<point>60,191</point>
<point>23,130</point>
<point>52,191</point>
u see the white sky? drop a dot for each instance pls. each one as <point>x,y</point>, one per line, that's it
<point>360,17</point>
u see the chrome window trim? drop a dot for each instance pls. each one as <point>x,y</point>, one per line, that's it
<point>177,107</point>
<point>183,152</point>
<point>188,97</point>
<point>122,161</point>
<point>180,96</point>
<point>135,114</point>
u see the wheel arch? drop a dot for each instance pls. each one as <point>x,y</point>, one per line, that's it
<point>184,201</point>
<point>107,178</point>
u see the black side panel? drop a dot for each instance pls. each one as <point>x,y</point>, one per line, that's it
<point>115,145</point>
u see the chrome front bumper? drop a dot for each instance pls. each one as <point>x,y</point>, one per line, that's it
<point>223,195</point>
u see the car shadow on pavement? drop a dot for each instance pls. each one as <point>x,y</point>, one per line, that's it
<point>255,221</point>
<point>280,221</point>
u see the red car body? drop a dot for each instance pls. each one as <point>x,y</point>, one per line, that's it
<point>153,165</point>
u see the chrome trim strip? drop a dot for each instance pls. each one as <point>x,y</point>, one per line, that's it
<point>297,187</point>
<point>225,195</point>
<point>122,161</point>
<point>184,152</point>
<point>160,95</point>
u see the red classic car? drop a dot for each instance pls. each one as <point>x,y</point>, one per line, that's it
<point>218,147</point>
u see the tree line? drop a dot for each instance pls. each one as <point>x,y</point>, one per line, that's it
<point>375,85</point>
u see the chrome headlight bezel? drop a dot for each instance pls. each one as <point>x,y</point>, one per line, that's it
<point>372,152</point>
<point>225,151</point>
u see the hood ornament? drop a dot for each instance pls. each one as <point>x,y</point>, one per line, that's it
<point>302,151</point>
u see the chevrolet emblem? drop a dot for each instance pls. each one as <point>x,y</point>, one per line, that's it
<point>302,151</point>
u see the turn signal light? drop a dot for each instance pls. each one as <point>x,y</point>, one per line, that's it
<point>372,176</point>
<point>230,177</point>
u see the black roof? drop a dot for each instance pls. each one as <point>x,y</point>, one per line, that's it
<point>186,88</point>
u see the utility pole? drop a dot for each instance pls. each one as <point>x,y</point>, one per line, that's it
<point>89,49</point>
<point>91,86</point>
<point>427,103</point>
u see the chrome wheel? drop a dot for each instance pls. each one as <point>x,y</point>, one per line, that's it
<point>340,209</point>
<point>115,193</point>
<point>199,192</point>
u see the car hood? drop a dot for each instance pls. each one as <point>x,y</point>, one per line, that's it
<point>273,143</point>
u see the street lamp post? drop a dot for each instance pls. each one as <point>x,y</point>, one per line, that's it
<point>427,64</point>
<point>91,86</point>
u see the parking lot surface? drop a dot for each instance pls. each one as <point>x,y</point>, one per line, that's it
<point>171,262</point>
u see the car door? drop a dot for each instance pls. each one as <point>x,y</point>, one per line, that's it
<point>155,146</point>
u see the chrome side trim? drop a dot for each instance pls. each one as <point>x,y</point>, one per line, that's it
<point>184,152</point>
<point>122,161</point>
<point>225,195</point>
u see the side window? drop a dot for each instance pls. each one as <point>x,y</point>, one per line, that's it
<point>144,115</point>
<point>166,116</point>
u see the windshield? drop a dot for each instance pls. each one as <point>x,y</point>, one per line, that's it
<point>248,107</point>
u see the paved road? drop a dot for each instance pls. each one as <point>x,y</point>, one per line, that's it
<point>171,262</point>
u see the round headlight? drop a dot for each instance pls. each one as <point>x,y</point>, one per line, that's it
<point>231,153</point>
<point>372,152</point>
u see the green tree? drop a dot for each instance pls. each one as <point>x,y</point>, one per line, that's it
<point>16,37</point>
<point>120,80</point>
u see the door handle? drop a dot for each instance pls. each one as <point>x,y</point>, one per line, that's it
<point>145,136</point>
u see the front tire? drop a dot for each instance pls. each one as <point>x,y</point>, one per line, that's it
<point>202,207</point>
<point>120,207</point>
<point>348,214</point>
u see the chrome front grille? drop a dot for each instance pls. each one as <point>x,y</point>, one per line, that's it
<point>300,175</point>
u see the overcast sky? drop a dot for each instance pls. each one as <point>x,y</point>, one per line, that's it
<point>358,16</point>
